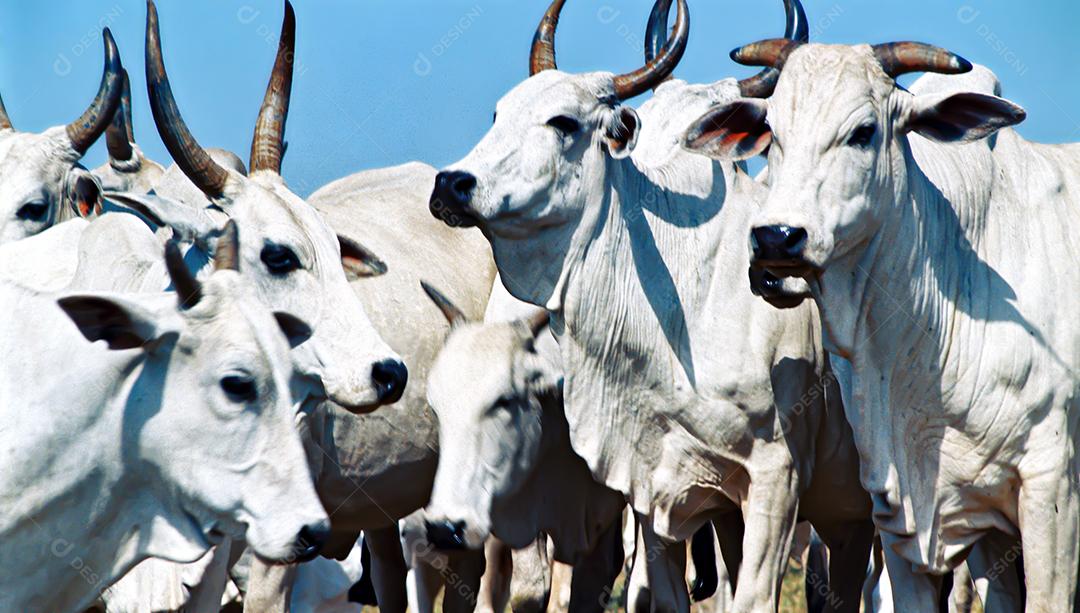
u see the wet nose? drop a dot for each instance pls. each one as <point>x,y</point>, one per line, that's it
<point>446,534</point>
<point>310,541</point>
<point>389,377</point>
<point>777,243</point>
<point>451,197</point>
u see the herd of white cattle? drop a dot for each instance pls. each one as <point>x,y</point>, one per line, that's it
<point>617,341</point>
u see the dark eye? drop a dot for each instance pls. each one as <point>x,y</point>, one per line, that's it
<point>863,136</point>
<point>239,388</point>
<point>564,124</point>
<point>280,260</point>
<point>33,211</point>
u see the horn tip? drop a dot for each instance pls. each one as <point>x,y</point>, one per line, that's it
<point>961,65</point>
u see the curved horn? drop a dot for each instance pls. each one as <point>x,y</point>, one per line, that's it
<point>901,58</point>
<point>538,321</point>
<point>449,310</point>
<point>542,56</point>
<point>268,145</point>
<point>227,250</point>
<point>5,122</point>
<point>87,128</point>
<point>192,159</point>
<point>656,32</point>
<point>796,29</point>
<point>188,289</point>
<point>118,136</point>
<point>653,73</point>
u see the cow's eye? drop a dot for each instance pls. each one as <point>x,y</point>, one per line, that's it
<point>239,388</point>
<point>564,124</point>
<point>494,117</point>
<point>33,211</point>
<point>863,136</point>
<point>279,260</point>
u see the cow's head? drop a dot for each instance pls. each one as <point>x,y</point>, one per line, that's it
<point>296,262</point>
<point>127,169</point>
<point>38,171</point>
<point>548,149</point>
<point>213,433</point>
<point>837,124</point>
<point>487,387</point>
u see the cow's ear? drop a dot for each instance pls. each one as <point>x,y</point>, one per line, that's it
<point>734,131</point>
<point>189,224</point>
<point>120,322</point>
<point>961,118</point>
<point>296,330</point>
<point>358,261</point>
<point>621,131</point>
<point>82,192</point>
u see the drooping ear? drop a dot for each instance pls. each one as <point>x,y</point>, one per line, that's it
<point>358,261</point>
<point>734,131</point>
<point>190,224</point>
<point>295,329</point>
<point>621,131</point>
<point>120,322</point>
<point>961,118</point>
<point>82,193</point>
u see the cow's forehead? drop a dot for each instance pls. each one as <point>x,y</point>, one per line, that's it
<point>276,214</point>
<point>238,321</point>
<point>556,91</point>
<point>477,363</point>
<point>820,82</point>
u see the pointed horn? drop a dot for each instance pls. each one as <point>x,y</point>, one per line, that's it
<point>118,136</point>
<point>901,58</point>
<point>227,250</point>
<point>542,56</point>
<point>5,122</point>
<point>653,73</point>
<point>189,156</point>
<point>449,311</point>
<point>87,128</point>
<point>797,30</point>
<point>188,289</point>
<point>656,32</point>
<point>770,53</point>
<point>268,145</point>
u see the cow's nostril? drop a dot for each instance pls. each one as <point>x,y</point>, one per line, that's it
<point>310,541</point>
<point>446,534</point>
<point>464,184</point>
<point>389,377</point>
<point>796,238</point>
<point>777,242</point>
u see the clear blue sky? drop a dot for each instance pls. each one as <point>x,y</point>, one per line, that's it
<point>381,82</point>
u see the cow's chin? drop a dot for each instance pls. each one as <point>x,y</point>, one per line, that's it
<point>205,529</point>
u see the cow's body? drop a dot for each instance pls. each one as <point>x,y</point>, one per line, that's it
<point>944,274</point>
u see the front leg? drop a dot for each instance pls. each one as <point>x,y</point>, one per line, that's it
<point>665,566</point>
<point>1049,517</point>
<point>595,572</point>
<point>770,510</point>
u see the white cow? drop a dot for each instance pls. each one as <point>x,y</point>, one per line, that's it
<point>938,269</point>
<point>172,430</point>
<point>691,397</point>
<point>506,467</point>
<point>41,184</point>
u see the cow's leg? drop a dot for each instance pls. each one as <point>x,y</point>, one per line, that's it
<point>530,585</point>
<point>463,581</point>
<point>638,595</point>
<point>770,510</point>
<point>1049,516</point>
<point>424,582</point>
<point>595,572</point>
<point>495,584</point>
<point>911,591</point>
<point>205,595</point>
<point>849,546</point>
<point>388,569</point>
<point>269,587</point>
<point>703,554</point>
<point>666,567</point>
<point>993,564</point>
<point>730,531</point>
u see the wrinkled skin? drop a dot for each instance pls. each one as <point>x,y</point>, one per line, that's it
<point>918,245</point>
<point>194,423</point>
<point>668,397</point>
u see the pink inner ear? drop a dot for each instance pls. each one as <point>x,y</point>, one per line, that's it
<point>735,131</point>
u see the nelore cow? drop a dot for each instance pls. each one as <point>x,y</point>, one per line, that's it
<point>41,183</point>
<point>180,403</point>
<point>506,467</point>
<point>936,242</point>
<point>694,399</point>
